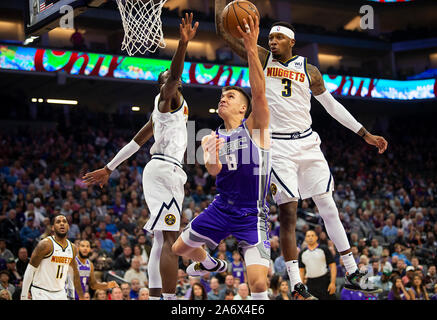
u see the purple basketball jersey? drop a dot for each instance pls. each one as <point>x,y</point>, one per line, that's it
<point>245,176</point>
<point>84,272</point>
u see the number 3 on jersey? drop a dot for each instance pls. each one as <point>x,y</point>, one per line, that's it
<point>287,88</point>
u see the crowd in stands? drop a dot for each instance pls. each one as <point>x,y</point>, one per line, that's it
<point>387,204</point>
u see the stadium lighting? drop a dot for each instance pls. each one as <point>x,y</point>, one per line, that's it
<point>34,100</point>
<point>62,101</point>
<point>136,108</point>
<point>212,110</point>
<point>30,40</point>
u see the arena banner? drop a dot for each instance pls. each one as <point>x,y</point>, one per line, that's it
<point>133,68</point>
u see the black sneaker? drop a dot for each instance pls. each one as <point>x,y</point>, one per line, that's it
<point>358,281</point>
<point>301,293</point>
<point>197,269</point>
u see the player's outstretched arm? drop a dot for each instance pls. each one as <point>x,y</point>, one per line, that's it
<point>95,285</point>
<point>170,87</point>
<point>43,248</point>
<point>339,112</point>
<point>260,115</point>
<point>236,45</point>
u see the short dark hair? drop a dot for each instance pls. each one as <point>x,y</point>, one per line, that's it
<point>246,96</point>
<point>52,222</point>
<point>284,24</point>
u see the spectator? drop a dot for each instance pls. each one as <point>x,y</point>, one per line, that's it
<point>125,290</point>
<point>22,261</point>
<point>229,294</point>
<point>10,231</point>
<point>144,294</point>
<point>5,253</point>
<point>275,251</point>
<point>4,282</point>
<point>243,292</point>
<point>15,277</point>
<point>389,231</point>
<point>229,285</point>
<point>182,284</point>
<point>123,261</point>
<point>134,272</point>
<point>375,249</point>
<point>116,294</point>
<point>418,290</point>
<point>198,292</point>
<point>135,289</point>
<point>29,234</point>
<point>100,295</point>
<point>237,267</point>
<point>431,278</point>
<point>223,249</point>
<point>138,255</point>
<point>398,291</point>
<point>284,291</point>
<point>214,293</point>
<point>5,294</point>
<point>274,287</point>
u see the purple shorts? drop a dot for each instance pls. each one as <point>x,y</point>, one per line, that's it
<point>221,219</point>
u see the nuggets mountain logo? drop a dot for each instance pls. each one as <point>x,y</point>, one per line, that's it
<point>170,219</point>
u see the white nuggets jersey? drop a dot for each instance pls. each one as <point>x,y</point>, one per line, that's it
<point>51,274</point>
<point>170,131</point>
<point>288,94</point>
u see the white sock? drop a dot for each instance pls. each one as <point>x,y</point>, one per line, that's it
<point>260,295</point>
<point>293,272</point>
<point>154,298</point>
<point>209,262</point>
<point>349,263</point>
<point>169,296</point>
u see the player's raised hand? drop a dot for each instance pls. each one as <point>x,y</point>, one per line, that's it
<point>376,141</point>
<point>251,32</point>
<point>99,177</point>
<point>186,29</point>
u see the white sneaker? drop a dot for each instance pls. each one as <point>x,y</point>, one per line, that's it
<point>196,269</point>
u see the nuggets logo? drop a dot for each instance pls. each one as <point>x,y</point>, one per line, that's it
<point>170,219</point>
<point>273,188</point>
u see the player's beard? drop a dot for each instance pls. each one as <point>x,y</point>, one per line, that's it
<point>61,235</point>
<point>82,256</point>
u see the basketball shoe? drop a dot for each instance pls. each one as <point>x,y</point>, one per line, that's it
<point>359,281</point>
<point>197,269</point>
<point>300,292</point>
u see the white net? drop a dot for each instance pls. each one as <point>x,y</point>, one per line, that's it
<point>142,25</point>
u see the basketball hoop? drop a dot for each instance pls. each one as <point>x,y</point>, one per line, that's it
<point>142,25</point>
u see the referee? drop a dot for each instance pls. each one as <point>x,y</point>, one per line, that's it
<point>317,266</point>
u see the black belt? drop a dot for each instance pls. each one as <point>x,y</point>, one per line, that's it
<point>163,157</point>
<point>45,289</point>
<point>292,135</point>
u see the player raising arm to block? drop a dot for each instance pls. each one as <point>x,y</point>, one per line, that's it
<point>299,168</point>
<point>163,176</point>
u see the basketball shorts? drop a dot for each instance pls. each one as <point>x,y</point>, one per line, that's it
<point>42,294</point>
<point>163,187</point>
<point>299,168</point>
<point>221,219</point>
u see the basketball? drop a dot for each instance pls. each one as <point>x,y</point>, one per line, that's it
<point>234,13</point>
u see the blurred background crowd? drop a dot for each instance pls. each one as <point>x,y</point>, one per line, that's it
<point>387,204</point>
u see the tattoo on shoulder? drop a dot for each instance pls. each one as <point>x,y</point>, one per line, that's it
<point>317,84</point>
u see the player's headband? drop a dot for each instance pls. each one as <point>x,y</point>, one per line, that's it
<point>284,30</point>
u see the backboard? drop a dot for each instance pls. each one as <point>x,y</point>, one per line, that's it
<point>44,15</point>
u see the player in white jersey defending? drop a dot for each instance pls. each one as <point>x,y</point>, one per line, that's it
<point>299,168</point>
<point>46,273</point>
<point>163,176</point>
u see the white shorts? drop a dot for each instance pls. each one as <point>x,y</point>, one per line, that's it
<point>163,187</point>
<point>299,168</point>
<point>41,294</point>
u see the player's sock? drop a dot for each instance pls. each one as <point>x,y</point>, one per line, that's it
<point>349,262</point>
<point>293,272</point>
<point>169,296</point>
<point>260,295</point>
<point>154,298</point>
<point>209,262</point>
